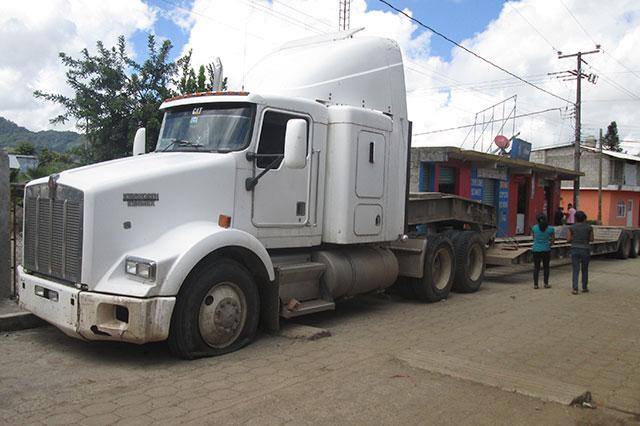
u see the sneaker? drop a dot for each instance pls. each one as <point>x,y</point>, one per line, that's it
<point>585,290</point>
<point>547,286</point>
<point>574,291</point>
<point>535,286</point>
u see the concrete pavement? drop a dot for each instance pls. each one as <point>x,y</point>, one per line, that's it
<point>360,374</point>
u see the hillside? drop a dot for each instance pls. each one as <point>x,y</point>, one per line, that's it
<point>11,134</point>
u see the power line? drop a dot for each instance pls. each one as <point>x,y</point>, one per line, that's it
<point>466,126</point>
<point>578,22</point>
<point>532,26</point>
<point>623,65</point>
<point>472,52</point>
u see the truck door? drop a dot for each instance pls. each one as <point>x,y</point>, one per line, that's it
<point>281,197</point>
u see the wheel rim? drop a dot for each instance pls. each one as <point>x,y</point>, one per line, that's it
<point>223,312</point>
<point>475,262</point>
<point>441,268</point>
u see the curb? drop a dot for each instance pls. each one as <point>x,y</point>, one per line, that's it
<point>20,321</point>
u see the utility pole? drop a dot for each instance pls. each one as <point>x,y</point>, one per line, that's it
<point>344,15</point>
<point>579,75</point>
<point>600,180</point>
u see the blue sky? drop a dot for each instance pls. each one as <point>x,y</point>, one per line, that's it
<point>458,19</point>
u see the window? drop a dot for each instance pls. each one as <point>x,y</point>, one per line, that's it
<point>211,128</point>
<point>274,127</point>
<point>447,181</point>
<point>621,209</point>
<point>617,173</point>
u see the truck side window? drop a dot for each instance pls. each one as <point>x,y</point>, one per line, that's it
<point>274,127</point>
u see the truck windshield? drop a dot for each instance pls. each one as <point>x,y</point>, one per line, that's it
<point>208,128</point>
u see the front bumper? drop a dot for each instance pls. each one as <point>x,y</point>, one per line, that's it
<point>96,316</point>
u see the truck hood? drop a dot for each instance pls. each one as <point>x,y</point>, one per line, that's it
<point>132,202</point>
<point>117,173</point>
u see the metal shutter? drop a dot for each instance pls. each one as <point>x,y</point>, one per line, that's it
<point>489,191</point>
<point>447,175</point>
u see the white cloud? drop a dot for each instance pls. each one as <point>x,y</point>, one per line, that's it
<point>32,33</point>
<point>445,94</point>
<point>440,93</point>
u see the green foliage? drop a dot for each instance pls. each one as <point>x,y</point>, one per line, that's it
<point>49,162</point>
<point>24,148</point>
<point>187,81</point>
<point>114,95</point>
<point>611,138</point>
<point>11,135</point>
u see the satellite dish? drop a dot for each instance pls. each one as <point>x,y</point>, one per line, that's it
<point>501,142</point>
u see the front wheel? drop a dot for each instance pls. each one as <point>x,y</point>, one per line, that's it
<point>216,312</point>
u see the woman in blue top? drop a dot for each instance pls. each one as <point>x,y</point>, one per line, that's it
<point>543,237</point>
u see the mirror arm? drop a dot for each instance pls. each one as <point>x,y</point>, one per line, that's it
<point>251,182</point>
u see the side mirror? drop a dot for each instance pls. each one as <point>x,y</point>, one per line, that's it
<point>295,144</point>
<point>140,141</point>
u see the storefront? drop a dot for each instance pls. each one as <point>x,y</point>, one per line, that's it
<point>518,189</point>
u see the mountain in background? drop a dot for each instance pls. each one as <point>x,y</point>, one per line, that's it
<point>11,134</point>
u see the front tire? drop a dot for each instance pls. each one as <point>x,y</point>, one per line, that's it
<point>216,312</point>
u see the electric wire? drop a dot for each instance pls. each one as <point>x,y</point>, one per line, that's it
<point>532,26</point>
<point>578,22</point>
<point>465,126</point>
<point>420,23</point>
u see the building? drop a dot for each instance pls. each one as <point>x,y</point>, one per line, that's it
<point>22,162</point>
<point>620,182</point>
<point>519,189</point>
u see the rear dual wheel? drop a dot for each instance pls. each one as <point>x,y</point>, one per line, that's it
<point>439,271</point>
<point>470,262</point>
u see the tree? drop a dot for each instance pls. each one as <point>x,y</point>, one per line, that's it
<point>611,138</point>
<point>24,148</point>
<point>114,95</point>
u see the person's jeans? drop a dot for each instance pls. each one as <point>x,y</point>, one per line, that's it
<point>539,256</point>
<point>580,260</point>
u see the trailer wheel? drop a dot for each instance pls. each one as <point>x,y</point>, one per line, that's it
<point>635,245</point>
<point>216,312</point>
<point>470,262</point>
<point>624,247</point>
<point>439,270</point>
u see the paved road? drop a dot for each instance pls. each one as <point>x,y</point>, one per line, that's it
<point>380,366</point>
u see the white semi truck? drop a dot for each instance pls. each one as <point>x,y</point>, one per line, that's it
<point>275,202</point>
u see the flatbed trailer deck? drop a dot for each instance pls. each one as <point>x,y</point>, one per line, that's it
<point>622,241</point>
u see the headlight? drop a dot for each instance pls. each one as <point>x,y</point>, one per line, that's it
<point>143,268</point>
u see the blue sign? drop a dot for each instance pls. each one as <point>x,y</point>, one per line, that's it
<point>476,185</point>
<point>503,209</point>
<point>520,150</point>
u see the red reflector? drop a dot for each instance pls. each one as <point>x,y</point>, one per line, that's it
<point>224,221</point>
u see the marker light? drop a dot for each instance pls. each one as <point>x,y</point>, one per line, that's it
<point>224,221</point>
<point>143,268</point>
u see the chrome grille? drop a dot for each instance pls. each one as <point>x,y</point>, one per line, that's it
<point>53,231</point>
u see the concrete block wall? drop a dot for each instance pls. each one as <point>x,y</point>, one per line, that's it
<point>563,157</point>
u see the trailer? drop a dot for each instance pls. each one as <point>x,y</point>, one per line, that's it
<point>620,242</point>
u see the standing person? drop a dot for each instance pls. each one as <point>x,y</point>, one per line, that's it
<point>571,214</point>
<point>580,235</point>
<point>558,216</point>
<point>543,237</point>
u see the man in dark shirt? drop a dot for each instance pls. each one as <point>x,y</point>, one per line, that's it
<point>580,236</point>
<point>558,216</point>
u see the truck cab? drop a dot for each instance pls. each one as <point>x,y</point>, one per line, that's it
<point>272,202</point>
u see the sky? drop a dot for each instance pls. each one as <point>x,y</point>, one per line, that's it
<point>447,87</point>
